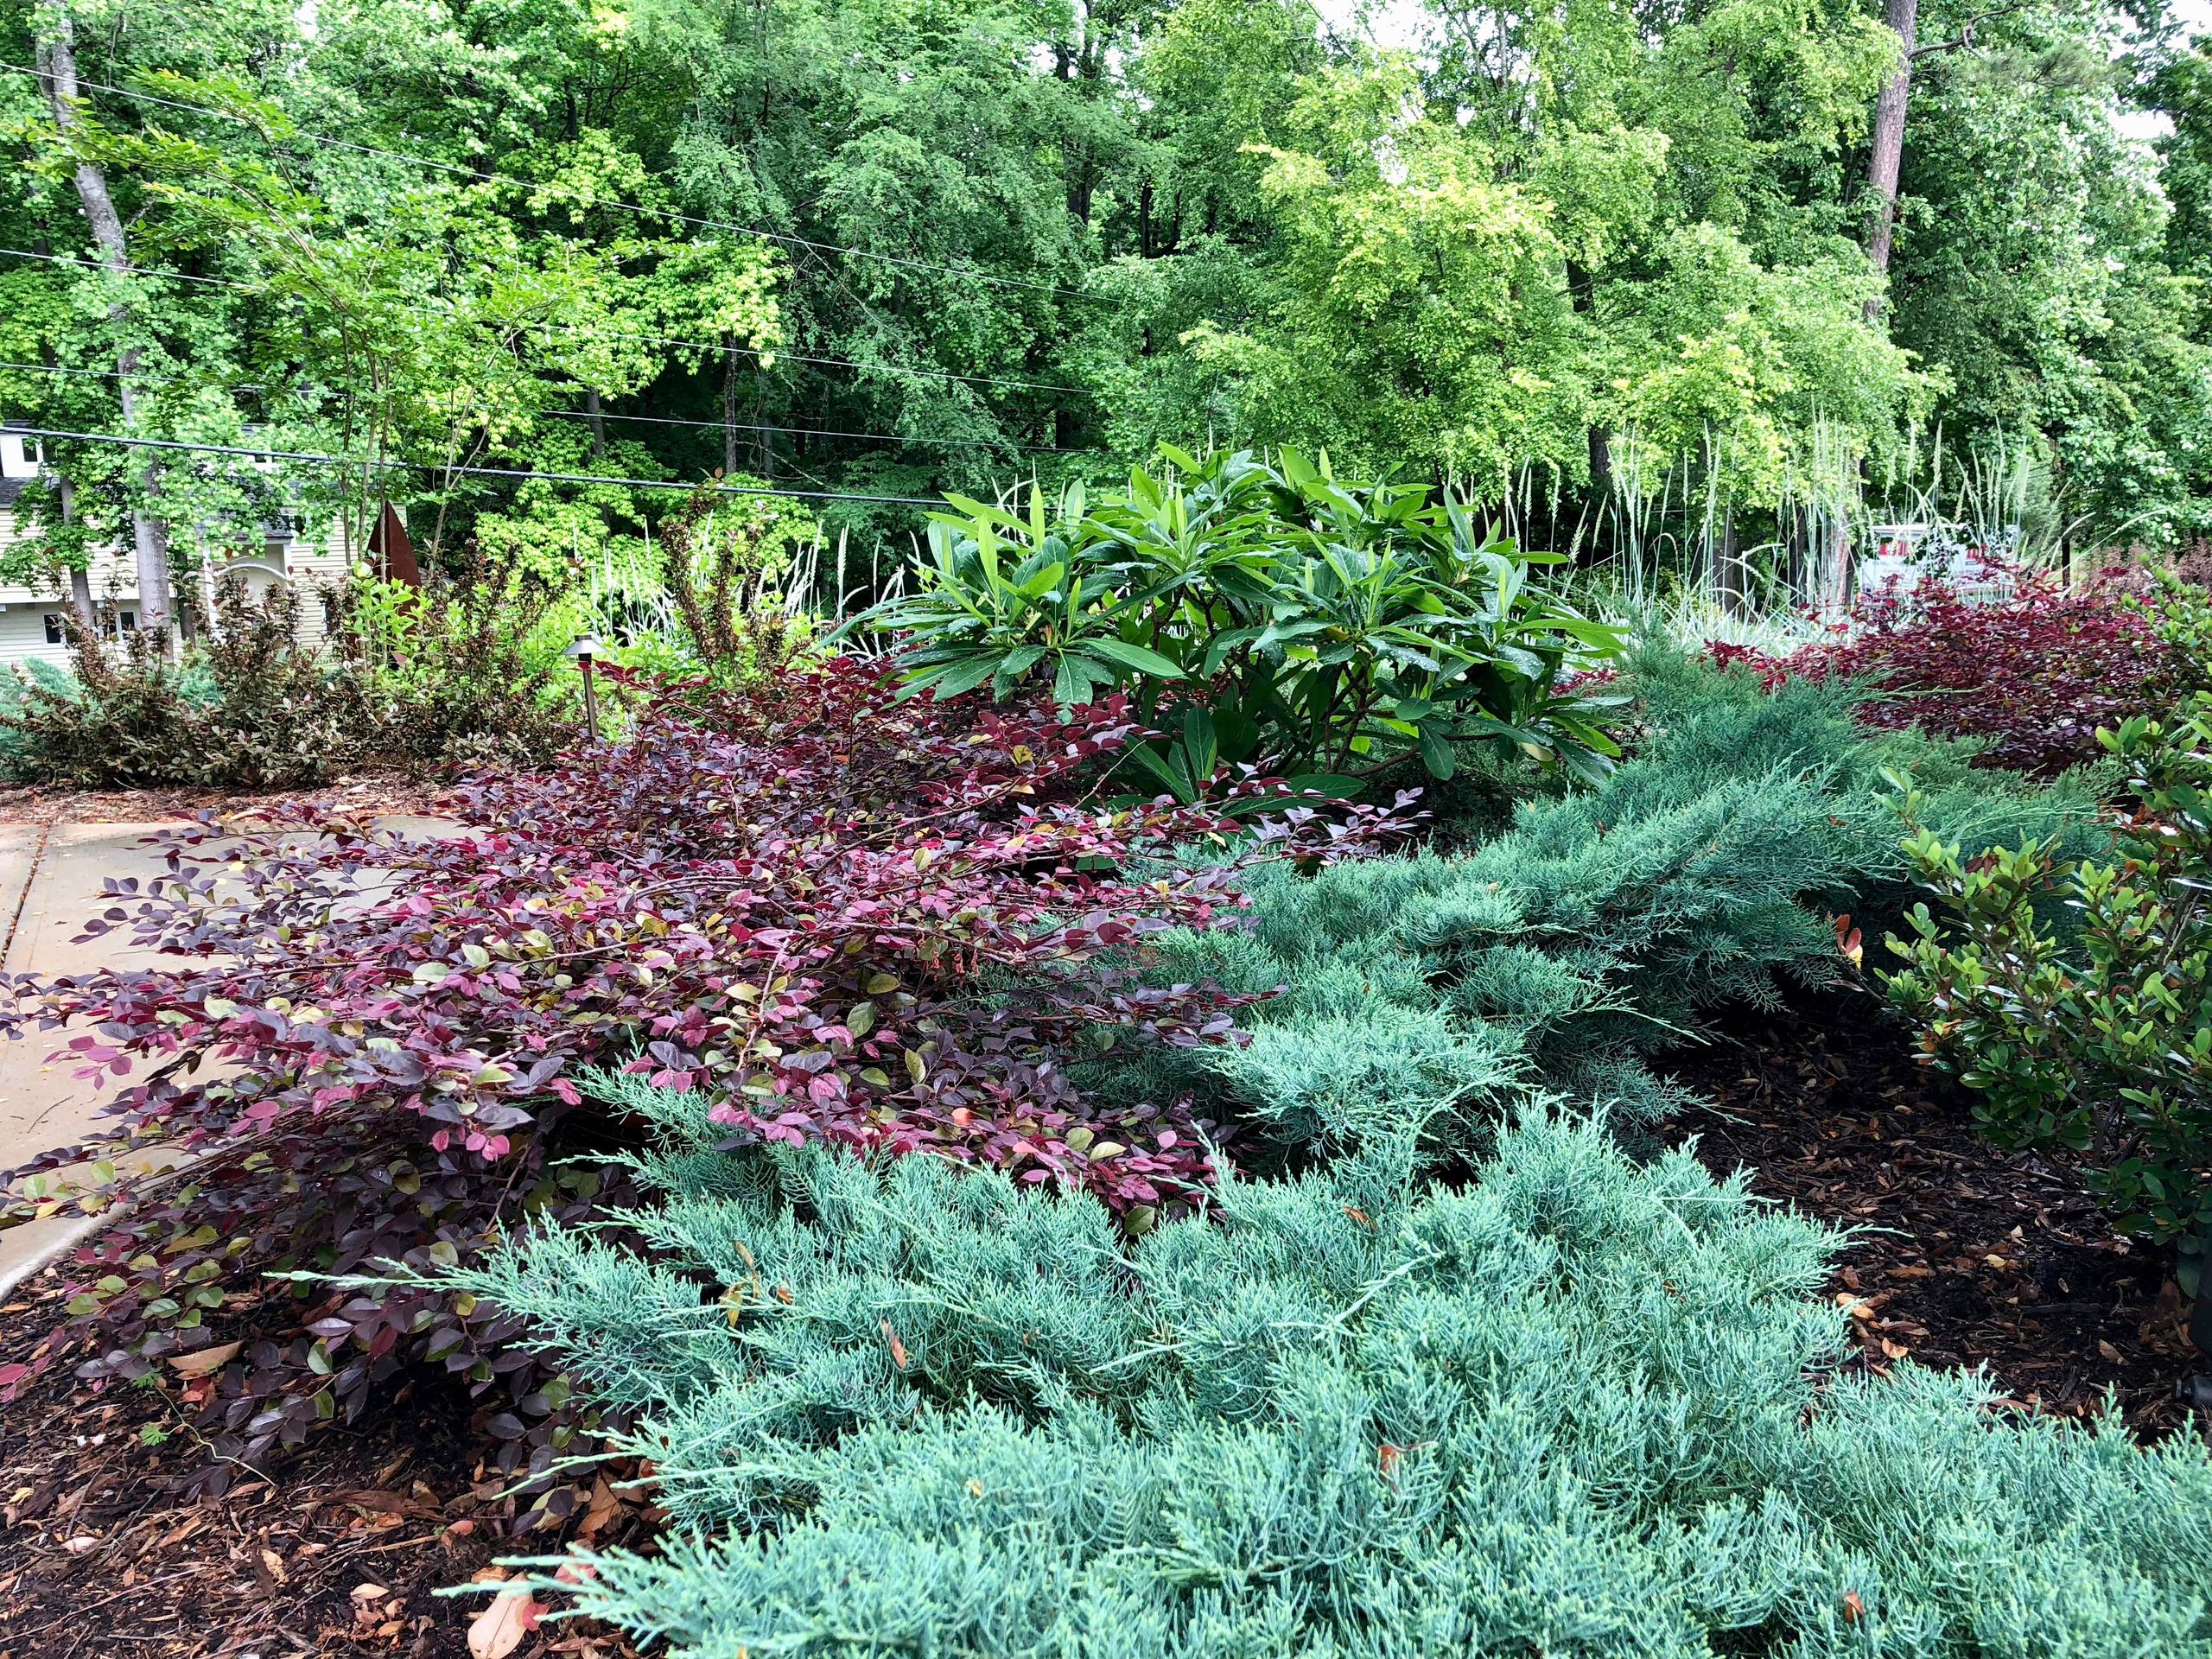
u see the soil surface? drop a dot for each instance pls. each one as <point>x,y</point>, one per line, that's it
<point>1965,1255</point>
<point>372,792</point>
<point>342,1554</point>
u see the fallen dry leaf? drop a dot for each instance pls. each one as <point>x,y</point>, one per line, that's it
<point>201,1361</point>
<point>2111,1353</point>
<point>498,1630</point>
<point>603,1508</point>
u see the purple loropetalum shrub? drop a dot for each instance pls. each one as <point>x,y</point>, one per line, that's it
<point>2033,672</point>
<point>838,915</point>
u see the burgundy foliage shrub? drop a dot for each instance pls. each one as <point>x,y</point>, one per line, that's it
<point>2035,672</point>
<point>840,916</point>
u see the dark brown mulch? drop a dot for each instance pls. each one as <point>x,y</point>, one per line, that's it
<point>341,1554</point>
<point>1968,1255</point>
<point>371,793</point>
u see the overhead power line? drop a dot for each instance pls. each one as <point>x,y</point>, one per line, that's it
<point>813,431</point>
<point>914,439</point>
<point>783,238</point>
<point>135,270</point>
<point>522,474</point>
<point>90,374</point>
<point>587,330</point>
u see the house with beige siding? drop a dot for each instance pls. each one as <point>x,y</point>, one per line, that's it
<point>31,618</point>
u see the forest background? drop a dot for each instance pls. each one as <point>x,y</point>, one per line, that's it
<point>1656,280</point>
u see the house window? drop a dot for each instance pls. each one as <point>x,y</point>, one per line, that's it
<point>53,634</point>
<point>126,621</point>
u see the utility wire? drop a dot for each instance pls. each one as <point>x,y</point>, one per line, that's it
<point>525,474</point>
<point>968,272</point>
<point>810,431</point>
<point>909,439</point>
<point>587,330</point>
<point>101,374</point>
<point>134,271</point>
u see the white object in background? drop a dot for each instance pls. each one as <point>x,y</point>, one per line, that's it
<point>17,457</point>
<point>1894,560</point>
<point>1885,568</point>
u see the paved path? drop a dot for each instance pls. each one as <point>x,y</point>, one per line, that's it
<point>50,882</point>
<point>49,887</point>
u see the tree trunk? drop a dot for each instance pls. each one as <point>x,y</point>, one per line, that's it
<point>760,421</point>
<point>1601,462</point>
<point>1581,295</point>
<point>57,63</point>
<point>1733,583</point>
<point>80,580</point>
<point>729,405</point>
<point>1888,153</point>
<point>596,420</point>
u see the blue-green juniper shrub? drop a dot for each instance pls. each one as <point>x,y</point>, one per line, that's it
<point>1707,872</point>
<point>1581,1407</point>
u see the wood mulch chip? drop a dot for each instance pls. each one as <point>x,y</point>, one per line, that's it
<point>1965,1255</point>
<point>371,793</point>
<point>341,1554</point>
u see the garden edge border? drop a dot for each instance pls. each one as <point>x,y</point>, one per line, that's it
<point>47,1254</point>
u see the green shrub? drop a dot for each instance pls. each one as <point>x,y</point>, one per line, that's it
<point>446,673</point>
<point>1705,871</point>
<point>2179,614</point>
<point>461,670</point>
<point>1268,613</point>
<point>36,675</point>
<point>249,709</point>
<point>1581,1408</point>
<point>2100,1043</point>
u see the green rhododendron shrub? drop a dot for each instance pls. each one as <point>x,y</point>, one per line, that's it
<point>1264,611</point>
<point>1580,1407</point>
<point>2098,1042</point>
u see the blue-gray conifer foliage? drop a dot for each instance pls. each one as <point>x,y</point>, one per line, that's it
<point>1573,1404</point>
<point>1579,1406</point>
<point>1603,927</point>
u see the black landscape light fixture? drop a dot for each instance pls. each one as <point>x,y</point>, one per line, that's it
<point>583,650</point>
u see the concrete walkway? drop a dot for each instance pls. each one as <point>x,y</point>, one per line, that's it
<point>50,880</point>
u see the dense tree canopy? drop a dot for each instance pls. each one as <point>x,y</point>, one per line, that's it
<point>1605,261</point>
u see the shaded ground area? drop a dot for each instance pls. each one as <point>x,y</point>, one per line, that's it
<point>342,1554</point>
<point>1968,1255</point>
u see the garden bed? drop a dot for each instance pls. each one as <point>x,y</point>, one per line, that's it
<point>1966,1255</point>
<point>343,1553</point>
